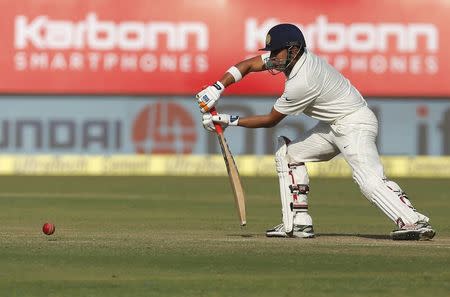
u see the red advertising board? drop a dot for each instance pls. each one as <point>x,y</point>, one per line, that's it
<point>386,48</point>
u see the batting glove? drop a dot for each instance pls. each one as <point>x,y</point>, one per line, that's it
<point>208,97</point>
<point>208,122</point>
<point>224,120</point>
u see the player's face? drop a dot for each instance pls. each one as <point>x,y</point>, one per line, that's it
<point>278,59</point>
<point>283,60</point>
<point>280,54</point>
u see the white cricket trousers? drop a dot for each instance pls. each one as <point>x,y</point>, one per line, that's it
<point>354,136</point>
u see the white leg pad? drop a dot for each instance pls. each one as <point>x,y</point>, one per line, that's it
<point>299,186</point>
<point>394,187</point>
<point>282,168</point>
<point>376,191</point>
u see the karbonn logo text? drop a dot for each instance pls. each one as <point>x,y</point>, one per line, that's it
<point>333,37</point>
<point>93,33</point>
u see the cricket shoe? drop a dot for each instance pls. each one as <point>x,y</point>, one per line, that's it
<point>420,231</point>
<point>277,231</point>
<point>303,231</point>
<point>299,231</point>
<point>303,225</point>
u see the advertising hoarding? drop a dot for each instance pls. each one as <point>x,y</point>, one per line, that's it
<point>391,48</point>
<point>172,125</point>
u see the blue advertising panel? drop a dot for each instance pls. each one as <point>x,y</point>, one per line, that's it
<point>167,125</point>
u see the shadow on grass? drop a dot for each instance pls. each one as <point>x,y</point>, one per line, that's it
<point>244,235</point>
<point>369,236</point>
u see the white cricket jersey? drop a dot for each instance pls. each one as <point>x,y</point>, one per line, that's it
<point>318,90</point>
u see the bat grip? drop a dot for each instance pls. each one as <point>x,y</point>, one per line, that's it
<point>218,127</point>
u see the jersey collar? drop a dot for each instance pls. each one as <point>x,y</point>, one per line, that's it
<point>298,65</point>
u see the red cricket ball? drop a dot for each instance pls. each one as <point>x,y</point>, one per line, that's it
<point>48,228</point>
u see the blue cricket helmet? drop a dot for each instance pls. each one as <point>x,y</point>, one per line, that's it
<point>283,36</point>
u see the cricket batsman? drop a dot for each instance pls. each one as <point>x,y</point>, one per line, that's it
<point>346,125</point>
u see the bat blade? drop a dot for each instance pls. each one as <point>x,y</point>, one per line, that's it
<point>233,172</point>
<point>235,179</point>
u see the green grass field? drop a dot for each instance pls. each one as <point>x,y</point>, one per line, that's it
<point>174,236</point>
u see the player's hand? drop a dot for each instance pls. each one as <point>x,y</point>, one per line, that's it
<point>224,120</point>
<point>207,122</point>
<point>208,97</point>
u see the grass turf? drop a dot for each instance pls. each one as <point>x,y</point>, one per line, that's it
<point>175,236</point>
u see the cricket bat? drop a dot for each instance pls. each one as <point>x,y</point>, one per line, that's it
<point>233,172</point>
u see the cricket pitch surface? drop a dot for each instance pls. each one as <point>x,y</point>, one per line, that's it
<point>179,236</point>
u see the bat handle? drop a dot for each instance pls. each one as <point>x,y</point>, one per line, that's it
<point>218,127</point>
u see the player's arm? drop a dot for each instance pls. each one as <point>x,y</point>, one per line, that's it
<point>208,97</point>
<point>241,69</point>
<point>259,121</point>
